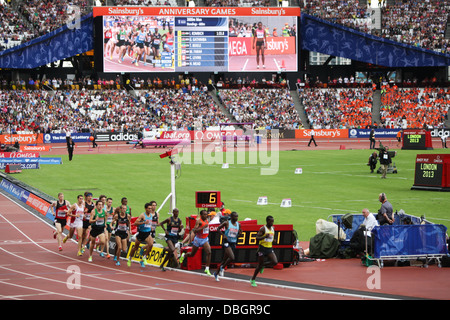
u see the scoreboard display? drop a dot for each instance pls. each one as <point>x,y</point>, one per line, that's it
<point>207,199</point>
<point>247,245</point>
<point>417,139</point>
<point>201,42</point>
<point>165,39</point>
<point>432,172</point>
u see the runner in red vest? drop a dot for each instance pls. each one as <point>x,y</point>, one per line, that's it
<point>201,239</point>
<point>59,210</point>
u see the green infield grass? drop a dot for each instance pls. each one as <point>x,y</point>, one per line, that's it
<point>332,182</point>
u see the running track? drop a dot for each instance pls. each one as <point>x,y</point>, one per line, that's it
<point>31,268</point>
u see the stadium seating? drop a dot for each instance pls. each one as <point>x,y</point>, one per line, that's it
<point>418,23</point>
<point>106,110</point>
<point>414,107</point>
<point>13,30</point>
<point>341,108</point>
<point>46,16</point>
<point>267,108</point>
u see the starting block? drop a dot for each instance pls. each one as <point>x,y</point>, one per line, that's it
<point>262,201</point>
<point>286,203</point>
<point>298,171</point>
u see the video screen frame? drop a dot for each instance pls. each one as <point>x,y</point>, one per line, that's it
<point>246,27</point>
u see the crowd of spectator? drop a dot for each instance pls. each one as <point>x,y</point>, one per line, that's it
<point>191,106</point>
<point>418,23</point>
<point>107,110</point>
<point>266,108</point>
<point>48,15</point>
<point>350,13</point>
<point>333,108</point>
<point>13,30</point>
<point>414,107</point>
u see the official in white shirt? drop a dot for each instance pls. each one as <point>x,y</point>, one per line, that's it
<point>369,222</point>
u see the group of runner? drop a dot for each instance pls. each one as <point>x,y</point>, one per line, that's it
<point>94,223</point>
<point>138,42</point>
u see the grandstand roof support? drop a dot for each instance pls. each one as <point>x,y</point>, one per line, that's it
<point>328,60</point>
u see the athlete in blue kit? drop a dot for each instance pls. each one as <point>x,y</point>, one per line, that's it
<point>230,236</point>
<point>144,223</point>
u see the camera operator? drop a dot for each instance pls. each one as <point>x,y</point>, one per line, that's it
<point>385,161</point>
<point>373,159</point>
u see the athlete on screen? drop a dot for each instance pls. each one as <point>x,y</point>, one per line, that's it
<point>156,43</point>
<point>259,42</point>
<point>139,45</point>
<point>168,39</point>
<point>121,37</point>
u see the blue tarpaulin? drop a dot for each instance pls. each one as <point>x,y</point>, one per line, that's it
<point>409,240</point>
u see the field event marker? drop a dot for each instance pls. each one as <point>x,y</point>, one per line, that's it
<point>262,201</point>
<point>286,203</point>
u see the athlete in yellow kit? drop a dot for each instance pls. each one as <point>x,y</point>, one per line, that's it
<point>265,237</point>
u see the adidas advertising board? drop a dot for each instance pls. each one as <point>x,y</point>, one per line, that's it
<point>119,136</point>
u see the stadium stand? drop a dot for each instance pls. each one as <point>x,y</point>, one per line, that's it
<point>46,16</point>
<point>334,108</point>
<point>13,31</point>
<point>107,110</point>
<point>267,108</point>
<point>419,23</point>
<point>414,107</point>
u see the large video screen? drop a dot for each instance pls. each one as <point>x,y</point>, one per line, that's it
<point>154,39</point>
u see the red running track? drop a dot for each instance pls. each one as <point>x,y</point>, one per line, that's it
<point>31,268</point>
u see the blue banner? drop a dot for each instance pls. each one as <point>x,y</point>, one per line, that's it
<point>19,160</point>
<point>409,240</point>
<point>35,161</point>
<point>61,137</point>
<point>379,133</point>
<point>26,197</point>
<point>50,161</point>
<point>64,42</point>
<point>325,37</point>
<point>15,191</point>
